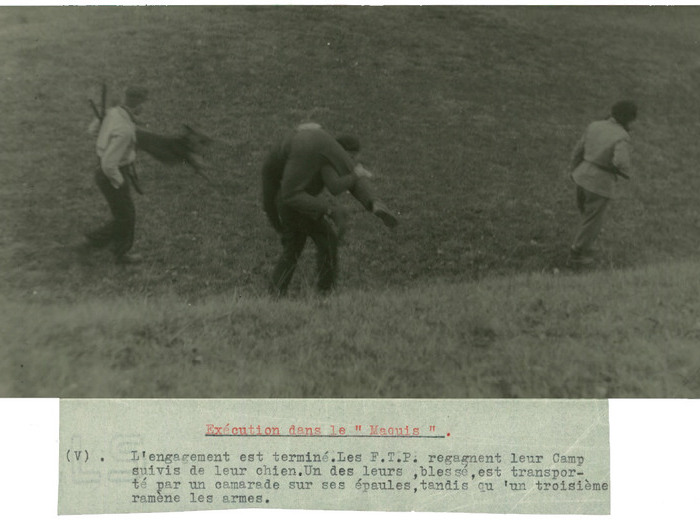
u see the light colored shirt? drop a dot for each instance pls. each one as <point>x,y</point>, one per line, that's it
<point>116,143</point>
<point>602,152</point>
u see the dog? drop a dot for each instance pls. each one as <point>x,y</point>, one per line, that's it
<point>186,148</point>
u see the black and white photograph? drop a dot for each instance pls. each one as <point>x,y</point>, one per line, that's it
<point>329,201</point>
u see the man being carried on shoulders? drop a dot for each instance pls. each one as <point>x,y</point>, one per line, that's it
<point>295,172</point>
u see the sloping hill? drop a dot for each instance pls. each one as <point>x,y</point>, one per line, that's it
<point>467,115</point>
<point>615,334</point>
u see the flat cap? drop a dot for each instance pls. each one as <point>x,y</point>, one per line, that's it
<point>135,95</point>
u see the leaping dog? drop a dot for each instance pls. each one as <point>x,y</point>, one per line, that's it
<point>187,148</point>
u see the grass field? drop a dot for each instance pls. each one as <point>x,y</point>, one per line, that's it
<point>621,334</point>
<point>467,115</point>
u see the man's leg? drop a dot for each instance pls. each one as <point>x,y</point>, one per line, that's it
<point>293,241</point>
<point>120,230</point>
<point>581,199</point>
<point>326,242</point>
<point>104,235</point>
<point>364,193</point>
<point>124,214</point>
<point>592,207</point>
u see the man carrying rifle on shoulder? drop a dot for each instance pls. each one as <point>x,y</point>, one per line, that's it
<point>116,150</point>
<point>118,138</point>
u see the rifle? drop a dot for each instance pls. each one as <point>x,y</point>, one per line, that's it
<point>100,113</point>
<point>96,111</point>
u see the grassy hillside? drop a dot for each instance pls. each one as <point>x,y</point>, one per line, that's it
<point>618,334</point>
<point>467,115</point>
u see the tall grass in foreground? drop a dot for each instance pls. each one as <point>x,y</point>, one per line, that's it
<point>618,334</point>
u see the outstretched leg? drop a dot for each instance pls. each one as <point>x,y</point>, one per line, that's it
<point>364,193</point>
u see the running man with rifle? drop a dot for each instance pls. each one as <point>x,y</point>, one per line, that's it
<point>116,150</point>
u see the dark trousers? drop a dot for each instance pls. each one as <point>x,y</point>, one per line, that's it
<point>119,232</point>
<point>592,208</point>
<point>295,229</point>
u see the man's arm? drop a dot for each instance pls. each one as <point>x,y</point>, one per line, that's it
<point>272,170</point>
<point>316,208</point>
<point>577,154</point>
<point>293,189</point>
<point>335,183</point>
<point>621,158</point>
<point>118,145</point>
<point>307,204</point>
<point>94,127</point>
<point>623,166</point>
